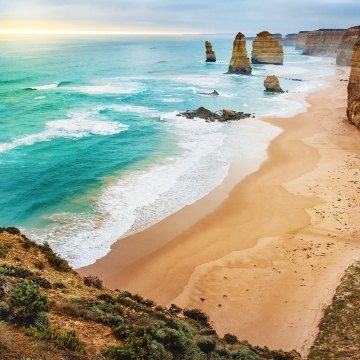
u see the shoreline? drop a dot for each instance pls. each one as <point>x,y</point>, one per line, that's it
<point>255,268</point>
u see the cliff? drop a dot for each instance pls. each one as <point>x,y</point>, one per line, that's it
<point>267,50</point>
<point>323,42</point>
<point>210,54</point>
<point>345,48</point>
<point>290,39</point>
<point>49,312</point>
<point>239,63</point>
<point>278,37</point>
<point>300,40</point>
<point>353,110</point>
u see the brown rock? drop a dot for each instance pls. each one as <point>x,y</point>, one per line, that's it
<point>272,84</point>
<point>323,42</point>
<point>239,63</point>
<point>301,40</point>
<point>345,48</point>
<point>353,110</point>
<point>267,50</point>
<point>210,54</point>
<point>290,39</point>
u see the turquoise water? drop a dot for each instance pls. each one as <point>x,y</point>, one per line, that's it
<point>90,145</point>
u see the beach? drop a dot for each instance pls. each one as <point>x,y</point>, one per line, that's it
<point>264,256</point>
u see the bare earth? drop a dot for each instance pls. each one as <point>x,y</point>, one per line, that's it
<point>265,260</point>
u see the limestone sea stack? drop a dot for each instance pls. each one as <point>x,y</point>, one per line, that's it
<point>210,54</point>
<point>239,63</point>
<point>353,110</point>
<point>323,42</point>
<point>300,40</point>
<point>267,50</point>
<point>278,37</point>
<point>290,40</point>
<point>345,48</point>
<point>272,84</point>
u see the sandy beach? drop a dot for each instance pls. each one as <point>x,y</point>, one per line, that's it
<point>263,256</point>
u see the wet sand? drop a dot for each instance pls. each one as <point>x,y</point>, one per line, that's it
<point>263,257</point>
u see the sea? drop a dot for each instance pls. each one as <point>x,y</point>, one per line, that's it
<point>92,149</point>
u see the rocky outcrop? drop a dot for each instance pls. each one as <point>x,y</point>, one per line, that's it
<point>272,85</point>
<point>323,42</point>
<point>267,50</point>
<point>239,63</point>
<point>300,40</point>
<point>353,110</point>
<point>278,37</point>
<point>290,40</point>
<point>210,54</point>
<point>345,48</point>
<point>213,93</point>
<point>206,114</point>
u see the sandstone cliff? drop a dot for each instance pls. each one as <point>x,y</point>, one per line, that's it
<point>290,39</point>
<point>301,39</point>
<point>239,63</point>
<point>267,50</point>
<point>353,110</point>
<point>210,54</point>
<point>345,49</point>
<point>323,42</point>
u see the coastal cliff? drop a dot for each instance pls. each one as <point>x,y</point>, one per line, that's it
<point>345,48</point>
<point>353,110</point>
<point>290,39</point>
<point>210,54</point>
<point>323,42</point>
<point>239,63</point>
<point>300,40</point>
<point>267,50</point>
<point>278,37</point>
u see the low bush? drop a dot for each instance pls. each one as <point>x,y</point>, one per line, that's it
<point>174,309</point>
<point>230,339</point>
<point>4,310</point>
<point>93,281</point>
<point>53,259</point>
<point>39,265</point>
<point>107,298</point>
<point>68,340</point>
<point>197,315</point>
<point>4,249</point>
<point>206,345</point>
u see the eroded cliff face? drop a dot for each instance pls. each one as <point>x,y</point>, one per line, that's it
<point>239,63</point>
<point>323,42</point>
<point>353,110</point>
<point>345,48</point>
<point>267,50</point>
<point>300,40</point>
<point>290,39</point>
<point>210,54</point>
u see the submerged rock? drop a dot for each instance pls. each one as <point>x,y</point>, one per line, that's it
<point>323,42</point>
<point>206,114</point>
<point>214,93</point>
<point>272,84</point>
<point>345,48</point>
<point>239,63</point>
<point>210,54</point>
<point>353,110</point>
<point>267,50</point>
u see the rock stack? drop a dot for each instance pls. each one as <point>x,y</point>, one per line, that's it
<point>278,37</point>
<point>323,42</point>
<point>353,110</point>
<point>345,48</point>
<point>300,40</point>
<point>210,54</point>
<point>290,40</point>
<point>239,63</point>
<point>272,85</point>
<point>267,50</point>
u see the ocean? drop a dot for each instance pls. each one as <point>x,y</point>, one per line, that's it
<point>91,149</point>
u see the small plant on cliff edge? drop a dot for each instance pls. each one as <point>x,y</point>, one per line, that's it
<point>197,315</point>
<point>68,340</point>
<point>53,259</point>
<point>93,281</point>
<point>4,249</point>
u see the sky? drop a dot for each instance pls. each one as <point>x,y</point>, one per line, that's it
<point>176,16</point>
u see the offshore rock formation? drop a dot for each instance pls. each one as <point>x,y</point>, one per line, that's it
<point>301,39</point>
<point>323,42</point>
<point>272,85</point>
<point>267,50</point>
<point>210,54</point>
<point>213,93</point>
<point>206,114</point>
<point>239,63</point>
<point>278,37</point>
<point>353,110</point>
<point>290,39</point>
<point>345,49</point>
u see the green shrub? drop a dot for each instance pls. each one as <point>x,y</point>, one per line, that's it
<point>230,339</point>
<point>59,285</point>
<point>93,281</point>
<point>4,310</point>
<point>41,328</point>
<point>11,230</point>
<point>53,259</point>
<point>4,249</point>
<point>39,265</point>
<point>68,340</point>
<point>197,315</point>
<point>174,309</point>
<point>245,355</point>
<point>107,298</point>
<point>206,345</point>
<point>26,303</point>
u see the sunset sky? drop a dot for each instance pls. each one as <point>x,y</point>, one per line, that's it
<point>181,16</point>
